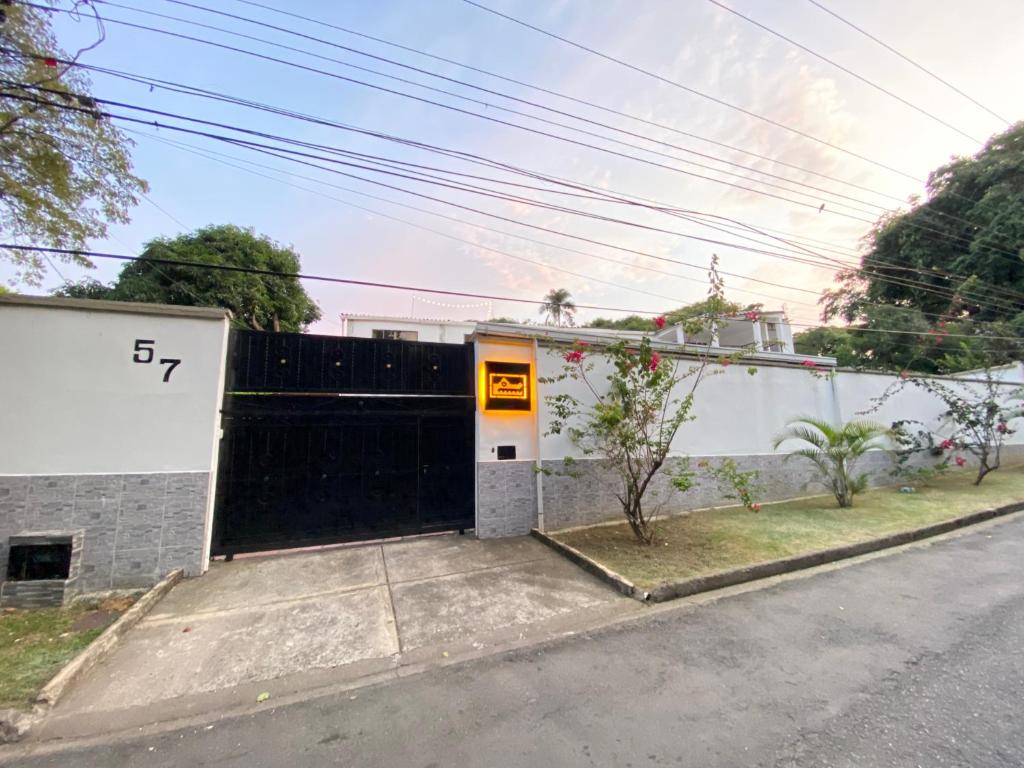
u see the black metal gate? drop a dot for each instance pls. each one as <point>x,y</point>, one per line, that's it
<point>330,439</point>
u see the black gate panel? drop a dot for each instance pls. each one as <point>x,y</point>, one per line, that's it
<point>301,362</point>
<point>389,451</point>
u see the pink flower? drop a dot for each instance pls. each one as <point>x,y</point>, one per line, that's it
<point>655,359</point>
<point>809,364</point>
<point>755,507</point>
<point>1001,427</point>
<point>946,444</point>
<point>574,356</point>
<point>659,322</point>
<point>960,461</point>
<point>752,316</point>
<point>50,62</point>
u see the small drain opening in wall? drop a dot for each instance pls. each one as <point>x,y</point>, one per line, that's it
<point>36,562</point>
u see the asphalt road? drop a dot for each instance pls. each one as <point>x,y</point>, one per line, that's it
<point>913,659</point>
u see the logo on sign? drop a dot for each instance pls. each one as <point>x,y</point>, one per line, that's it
<point>507,386</point>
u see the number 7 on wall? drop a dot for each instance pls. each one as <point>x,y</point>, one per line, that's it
<point>171,364</point>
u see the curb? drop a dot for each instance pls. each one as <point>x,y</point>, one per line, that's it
<point>621,583</point>
<point>674,589</point>
<point>22,722</point>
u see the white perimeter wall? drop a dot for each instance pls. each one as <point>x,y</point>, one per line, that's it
<point>74,402</point>
<point>739,414</point>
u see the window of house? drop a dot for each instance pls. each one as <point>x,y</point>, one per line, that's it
<point>771,327</point>
<point>395,335</point>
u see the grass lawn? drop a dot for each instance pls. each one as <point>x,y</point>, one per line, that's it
<point>711,540</point>
<point>35,643</point>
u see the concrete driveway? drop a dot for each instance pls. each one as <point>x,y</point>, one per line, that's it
<point>289,622</point>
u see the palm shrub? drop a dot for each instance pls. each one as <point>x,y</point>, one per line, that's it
<point>835,450</point>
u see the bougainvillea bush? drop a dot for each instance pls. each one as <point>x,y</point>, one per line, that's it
<point>630,421</point>
<point>631,417</point>
<point>976,420</point>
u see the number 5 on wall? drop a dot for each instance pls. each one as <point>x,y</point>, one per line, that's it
<point>143,346</point>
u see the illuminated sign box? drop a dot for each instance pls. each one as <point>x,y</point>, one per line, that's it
<point>506,387</point>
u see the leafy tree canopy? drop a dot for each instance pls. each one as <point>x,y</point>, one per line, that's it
<point>699,310</point>
<point>257,301</point>
<point>950,267</point>
<point>917,344</point>
<point>510,320</point>
<point>65,172</point>
<point>967,239</point>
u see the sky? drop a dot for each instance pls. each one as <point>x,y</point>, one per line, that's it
<point>513,248</point>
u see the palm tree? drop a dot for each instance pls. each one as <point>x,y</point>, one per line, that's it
<point>557,308</point>
<point>835,451</point>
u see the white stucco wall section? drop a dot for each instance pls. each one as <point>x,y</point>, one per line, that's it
<point>739,414</point>
<point>735,413</point>
<point>75,402</point>
<point>857,393</point>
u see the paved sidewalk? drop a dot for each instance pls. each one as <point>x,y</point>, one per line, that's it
<point>289,622</point>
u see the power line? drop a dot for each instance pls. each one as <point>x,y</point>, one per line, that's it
<point>551,179</point>
<point>694,91</point>
<point>568,97</point>
<point>164,211</point>
<point>845,69</point>
<point>267,149</point>
<point>420,70</point>
<point>468,112</point>
<point>459,221</point>
<point>398,287</point>
<point>273,150</point>
<point>814,205</point>
<point>304,276</point>
<point>213,156</point>
<point>907,59</point>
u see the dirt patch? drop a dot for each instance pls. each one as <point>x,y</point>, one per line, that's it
<point>116,604</point>
<point>97,619</point>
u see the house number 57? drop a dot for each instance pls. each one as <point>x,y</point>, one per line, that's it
<point>145,353</point>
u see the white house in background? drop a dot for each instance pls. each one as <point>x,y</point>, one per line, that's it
<point>406,328</point>
<point>759,331</point>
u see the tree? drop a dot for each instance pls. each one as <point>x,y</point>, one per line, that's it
<point>508,320</point>
<point>698,310</point>
<point>952,265</point>
<point>835,450</point>
<point>627,323</point>
<point>829,341</point>
<point>558,308</point>
<point>631,423</point>
<point>902,339</point>
<point>65,171</point>
<point>977,416</point>
<point>966,239</point>
<point>259,302</point>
